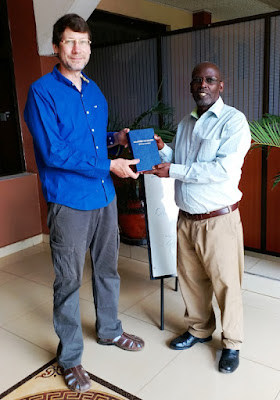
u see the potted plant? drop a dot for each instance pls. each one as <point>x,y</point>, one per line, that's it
<point>266,133</point>
<point>129,191</point>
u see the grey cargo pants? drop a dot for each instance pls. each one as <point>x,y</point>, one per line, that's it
<point>72,233</point>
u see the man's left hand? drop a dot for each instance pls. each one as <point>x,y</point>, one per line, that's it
<point>121,137</point>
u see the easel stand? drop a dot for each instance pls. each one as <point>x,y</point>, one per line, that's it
<point>150,259</point>
<point>162,300</point>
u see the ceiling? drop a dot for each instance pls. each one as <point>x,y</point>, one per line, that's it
<point>223,10</point>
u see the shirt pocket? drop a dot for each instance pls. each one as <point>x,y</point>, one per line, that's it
<point>208,150</point>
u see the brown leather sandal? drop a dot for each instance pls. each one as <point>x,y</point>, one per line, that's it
<point>125,342</point>
<point>77,379</point>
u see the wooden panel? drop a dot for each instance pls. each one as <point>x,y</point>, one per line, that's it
<point>21,15</point>
<point>273,201</point>
<point>47,63</point>
<point>250,206</point>
<point>19,208</point>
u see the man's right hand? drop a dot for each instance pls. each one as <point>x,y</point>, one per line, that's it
<point>121,168</point>
<point>159,141</point>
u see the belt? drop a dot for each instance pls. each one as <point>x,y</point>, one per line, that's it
<point>216,213</point>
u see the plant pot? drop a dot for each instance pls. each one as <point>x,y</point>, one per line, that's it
<point>132,223</point>
<point>131,213</point>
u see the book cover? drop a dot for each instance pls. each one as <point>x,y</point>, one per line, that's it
<point>143,146</point>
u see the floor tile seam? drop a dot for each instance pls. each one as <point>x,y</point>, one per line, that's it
<point>247,269</point>
<point>176,355</point>
<point>20,258</point>
<point>251,266</point>
<point>149,323</point>
<point>132,260</point>
<point>137,319</point>
<point>259,363</point>
<point>157,325</point>
<point>262,294</point>
<point>88,301</point>
<point>241,356</point>
<point>85,336</point>
<point>264,260</point>
<point>27,341</point>
<point>4,283</point>
<point>26,279</point>
<point>126,259</point>
<point>266,271</point>
<point>82,298</point>
<point>262,276</point>
<point>220,348</point>
<point>85,281</point>
<point>143,298</point>
<point>30,310</point>
<point>276,316</point>
<point>42,284</point>
<point>13,274</point>
<point>260,256</point>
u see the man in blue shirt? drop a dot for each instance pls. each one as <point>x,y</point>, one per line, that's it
<point>67,114</point>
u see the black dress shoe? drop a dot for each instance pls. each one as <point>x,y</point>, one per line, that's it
<point>186,341</point>
<point>229,361</point>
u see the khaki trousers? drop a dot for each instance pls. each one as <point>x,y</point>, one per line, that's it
<point>211,259</point>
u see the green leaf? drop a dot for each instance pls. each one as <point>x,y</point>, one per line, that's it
<point>266,133</point>
<point>276,180</point>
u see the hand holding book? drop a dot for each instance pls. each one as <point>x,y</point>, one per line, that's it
<point>159,142</point>
<point>144,146</point>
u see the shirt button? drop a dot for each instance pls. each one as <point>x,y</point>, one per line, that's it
<point>102,181</point>
<point>95,106</point>
<point>87,112</point>
<point>92,130</point>
<point>97,147</point>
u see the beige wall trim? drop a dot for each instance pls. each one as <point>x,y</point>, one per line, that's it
<point>22,245</point>
<point>145,10</point>
<point>46,238</point>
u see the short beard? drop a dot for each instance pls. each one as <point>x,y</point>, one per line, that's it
<point>203,102</point>
<point>72,68</point>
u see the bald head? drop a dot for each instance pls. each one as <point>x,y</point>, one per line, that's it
<point>207,65</point>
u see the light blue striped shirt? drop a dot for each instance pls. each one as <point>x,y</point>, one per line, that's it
<point>207,154</point>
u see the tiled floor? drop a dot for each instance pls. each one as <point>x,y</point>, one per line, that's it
<point>27,339</point>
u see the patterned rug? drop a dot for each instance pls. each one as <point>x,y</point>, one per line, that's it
<point>47,383</point>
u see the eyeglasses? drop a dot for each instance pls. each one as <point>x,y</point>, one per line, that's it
<point>210,80</point>
<point>83,43</point>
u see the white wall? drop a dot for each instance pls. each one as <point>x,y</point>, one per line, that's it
<point>48,12</point>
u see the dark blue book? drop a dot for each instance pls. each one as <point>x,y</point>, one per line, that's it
<point>143,146</point>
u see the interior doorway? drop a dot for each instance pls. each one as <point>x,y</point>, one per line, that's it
<point>11,154</point>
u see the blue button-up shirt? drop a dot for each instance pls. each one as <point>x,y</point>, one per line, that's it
<point>207,155</point>
<point>69,130</point>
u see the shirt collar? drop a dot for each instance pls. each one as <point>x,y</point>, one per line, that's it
<point>62,78</point>
<point>216,108</point>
